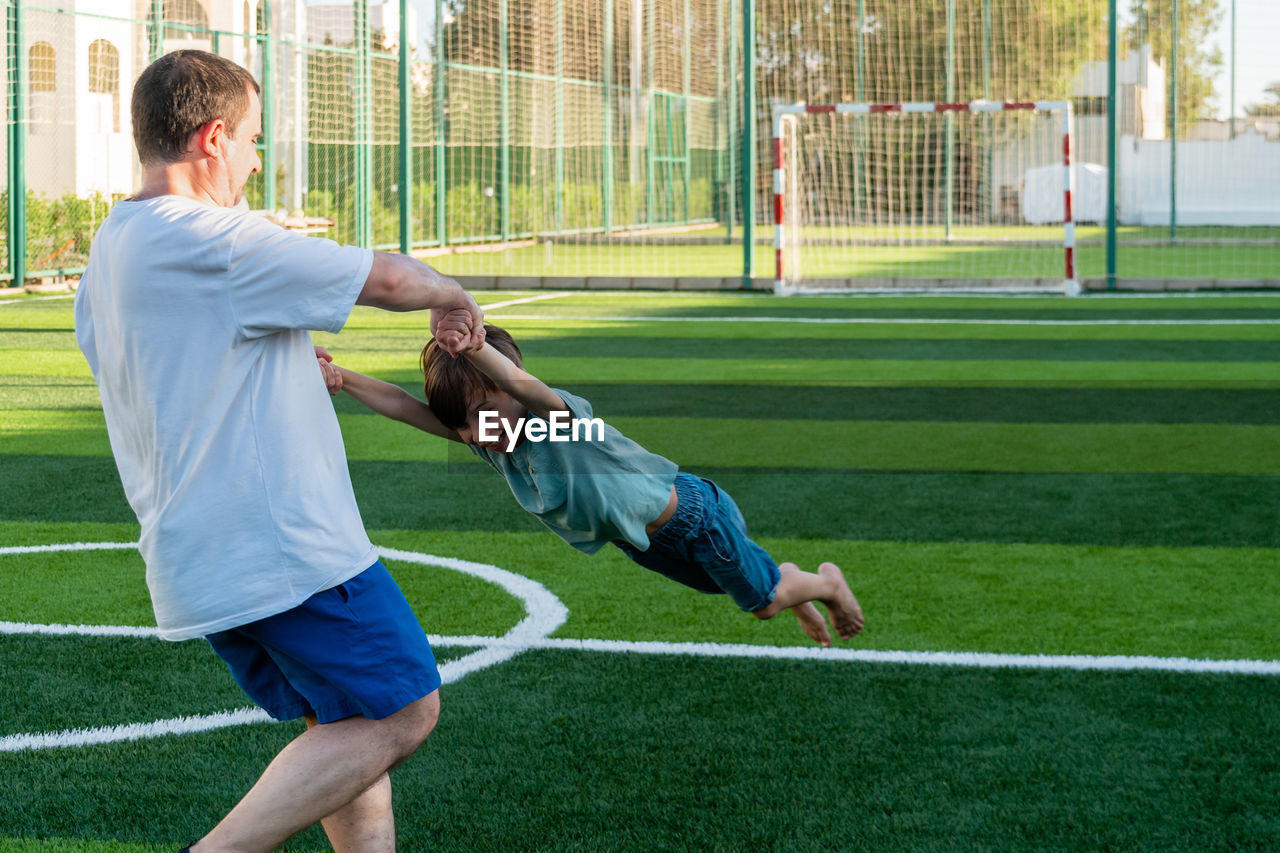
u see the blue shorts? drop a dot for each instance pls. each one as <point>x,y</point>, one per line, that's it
<point>355,649</point>
<point>704,545</point>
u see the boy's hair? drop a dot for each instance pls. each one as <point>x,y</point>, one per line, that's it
<point>180,93</point>
<point>451,384</point>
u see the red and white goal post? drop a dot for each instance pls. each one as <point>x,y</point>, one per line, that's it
<point>845,194</point>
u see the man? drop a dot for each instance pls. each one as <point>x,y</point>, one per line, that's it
<point>194,318</point>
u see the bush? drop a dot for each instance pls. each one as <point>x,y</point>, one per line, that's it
<point>59,230</point>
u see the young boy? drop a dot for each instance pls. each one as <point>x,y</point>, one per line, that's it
<point>594,486</point>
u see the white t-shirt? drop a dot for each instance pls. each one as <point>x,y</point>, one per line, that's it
<point>194,321</point>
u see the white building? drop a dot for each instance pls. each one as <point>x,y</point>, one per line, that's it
<point>80,68</point>
<point>82,61</point>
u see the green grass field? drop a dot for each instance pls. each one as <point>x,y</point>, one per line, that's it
<point>1075,479</point>
<point>997,252</point>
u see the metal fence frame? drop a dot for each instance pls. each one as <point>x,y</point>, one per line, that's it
<point>676,165</point>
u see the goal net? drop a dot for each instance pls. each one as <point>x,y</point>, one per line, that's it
<point>924,196</point>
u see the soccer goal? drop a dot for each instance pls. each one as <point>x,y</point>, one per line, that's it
<point>923,197</point>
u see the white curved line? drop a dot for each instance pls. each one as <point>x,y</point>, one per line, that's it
<point>59,630</point>
<point>133,731</point>
<point>69,546</point>
<point>544,613</point>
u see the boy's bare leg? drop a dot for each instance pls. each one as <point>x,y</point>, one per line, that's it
<point>797,588</point>
<point>322,771</point>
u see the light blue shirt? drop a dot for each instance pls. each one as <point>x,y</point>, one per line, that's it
<point>587,492</point>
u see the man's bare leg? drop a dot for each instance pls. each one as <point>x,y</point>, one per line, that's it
<point>323,770</point>
<point>797,588</point>
<point>367,823</point>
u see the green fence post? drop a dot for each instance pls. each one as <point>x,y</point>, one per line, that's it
<point>651,179</point>
<point>748,141</point>
<point>607,177</point>
<point>559,117</point>
<point>1231,115</point>
<point>268,87</point>
<point>1173,127</point>
<point>950,120</point>
<point>987,187</point>
<point>17,235</point>
<point>363,85</point>
<point>406,136</point>
<point>717,203</point>
<point>859,78</point>
<point>1113,149</point>
<point>155,36</point>
<point>731,98</point>
<point>504,123</point>
<point>441,73</point>
<point>688,113</point>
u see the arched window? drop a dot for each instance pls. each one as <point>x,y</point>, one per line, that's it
<point>188,12</point>
<point>43,65</point>
<point>104,76</point>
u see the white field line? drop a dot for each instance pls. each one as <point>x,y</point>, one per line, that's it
<point>545,613</point>
<point>990,660</point>
<point>888,294</point>
<point>133,731</point>
<point>15,301</point>
<point>907,321</point>
<point>69,546</point>
<point>505,647</point>
<point>58,630</point>
<point>538,298</point>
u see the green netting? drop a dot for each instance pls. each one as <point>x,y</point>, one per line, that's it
<point>609,133</point>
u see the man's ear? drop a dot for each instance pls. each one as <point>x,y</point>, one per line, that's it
<point>211,138</point>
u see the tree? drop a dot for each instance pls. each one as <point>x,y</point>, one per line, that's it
<point>1198,58</point>
<point>1266,109</point>
<point>809,49</point>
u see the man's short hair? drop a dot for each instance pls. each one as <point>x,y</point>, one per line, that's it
<point>180,93</point>
<point>451,384</point>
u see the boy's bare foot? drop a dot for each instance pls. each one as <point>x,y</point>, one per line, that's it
<point>846,613</point>
<point>813,623</point>
<point>811,618</point>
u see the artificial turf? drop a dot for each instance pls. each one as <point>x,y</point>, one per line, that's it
<point>1105,486</point>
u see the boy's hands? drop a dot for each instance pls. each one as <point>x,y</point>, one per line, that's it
<point>459,330</point>
<point>329,370</point>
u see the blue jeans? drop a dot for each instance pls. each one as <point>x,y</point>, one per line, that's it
<point>704,545</point>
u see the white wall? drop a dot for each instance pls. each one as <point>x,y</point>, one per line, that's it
<point>104,156</point>
<point>1232,182</point>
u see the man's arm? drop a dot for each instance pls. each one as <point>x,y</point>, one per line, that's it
<point>393,402</point>
<point>400,283</point>
<point>534,394</point>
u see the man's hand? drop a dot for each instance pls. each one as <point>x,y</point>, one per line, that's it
<point>329,370</point>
